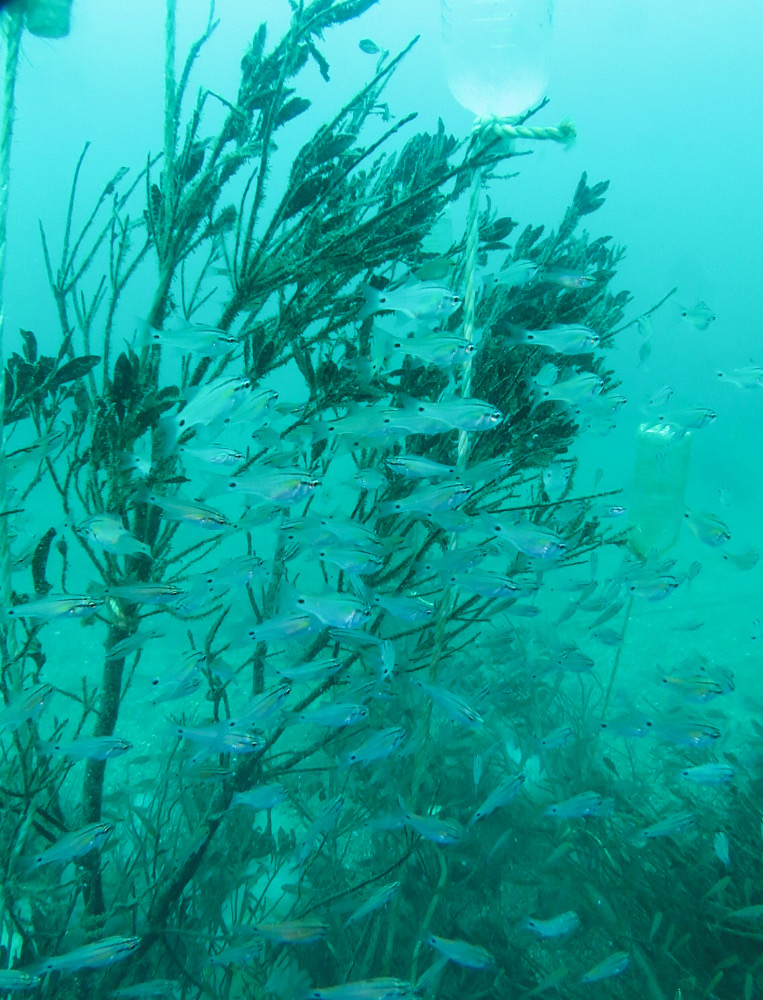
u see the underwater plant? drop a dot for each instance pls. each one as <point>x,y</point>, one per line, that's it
<point>334,742</point>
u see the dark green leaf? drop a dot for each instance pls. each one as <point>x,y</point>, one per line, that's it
<point>370,48</point>
<point>291,109</point>
<point>497,230</point>
<point>76,368</point>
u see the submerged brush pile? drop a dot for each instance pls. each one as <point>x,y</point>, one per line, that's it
<point>337,744</point>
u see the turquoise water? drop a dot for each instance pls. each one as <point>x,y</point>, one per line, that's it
<point>289,711</point>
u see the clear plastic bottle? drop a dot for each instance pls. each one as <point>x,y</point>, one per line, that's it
<point>497,53</point>
<point>661,473</point>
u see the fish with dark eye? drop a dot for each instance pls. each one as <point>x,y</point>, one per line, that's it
<point>424,302</point>
<point>583,804</point>
<point>566,277</point>
<point>375,902</point>
<point>562,338</point>
<point>502,795</point>
<point>51,607</point>
<point>89,748</point>
<point>24,706</point>
<point>672,826</point>
<point>71,845</point>
<point>708,528</point>
<point>709,774</point>
<point>700,316</point>
<point>90,956</point>
<point>471,956</point>
<point>554,927</point>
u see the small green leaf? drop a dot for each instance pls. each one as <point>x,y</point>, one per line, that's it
<point>370,48</point>
<point>30,346</point>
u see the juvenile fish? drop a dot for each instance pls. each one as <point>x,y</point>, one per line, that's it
<point>443,352</point>
<point>560,338</point>
<point>177,508</point>
<point>418,467</point>
<point>49,608</point>
<point>378,746</point>
<point>375,901</point>
<point>363,989</point>
<point>190,339</point>
<point>23,707</point>
<point>574,390</point>
<point>566,278</point>
<point>699,316</point>
<point>91,956</point>
<point>709,774</point>
<point>518,273</point>
<point>708,528</point>
<point>612,965</point>
<point>533,540</point>
<point>278,486</point>
<point>72,845</point>
<point>583,804</point>
<point>457,707</point>
<point>501,796</point>
<point>221,737</point>
<point>107,532</point>
<point>89,748</point>
<point>472,956</point>
<point>260,797</point>
<point>671,826</point>
<point>564,923</point>
<point>421,301</point>
<point>336,715</point>
<point>293,931</point>
<point>456,412</point>
<point>441,496</point>
<point>335,610</point>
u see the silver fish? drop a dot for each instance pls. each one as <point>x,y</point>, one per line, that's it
<point>560,338</point>
<point>418,467</point>
<point>221,737</point>
<point>187,511</point>
<point>375,901</point>
<point>566,277</point>
<point>51,607</point>
<point>457,707</point>
<point>107,532</point>
<point>583,804</point>
<point>72,845</point>
<point>89,748</point>
<point>278,486</point>
<point>699,316</point>
<point>363,989</point>
<point>190,339</point>
<point>559,926</point>
<point>24,706</point>
<point>91,956</point>
<point>533,540</point>
<point>260,797</point>
<point>441,496</point>
<point>335,715</point>
<point>418,300</point>
<point>443,352</point>
<point>336,610</point>
<point>709,774</point>
<point>378,746</point>
<point>612,965</point>
<point>514,275</point>
<point>671,826</point>
<point>293,931</point>
<point>501,796</point>
<point>471,956</point>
